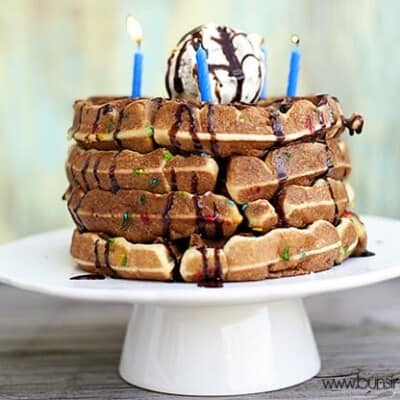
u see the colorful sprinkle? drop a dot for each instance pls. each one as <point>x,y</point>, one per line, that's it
<point>346,249</point>
<point>142,199</point>
<point>303,255</point>
<point>139,171</point>
<point>182,195</point>
<point>125,217</point>
<point>112,240</point>
<point>287,155</point>
<point>286,254</point>
<point>154,181</point>
<point>101,136</point>
<point>124,260</point>
<point>149,130</point>
<point>209,218</point>
<point>125,115</point>
<point>257,228</point>
<point>168,156</point>
<point>145,218</point>
<point>109,126</point>
<point>230,202</point>
<point>244,207</point>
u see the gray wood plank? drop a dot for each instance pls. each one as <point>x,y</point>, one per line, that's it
<point>61,349</point>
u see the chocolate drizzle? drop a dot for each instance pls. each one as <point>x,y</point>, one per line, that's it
<point>366,253</point>
<point>96,255</point>
<point>211,130</point>
<point>194,182</point>
<point>210,279</point>
<point>354,124</point>
<point>174,185</point>
<point>85,186</point>
<point>74,211</point>
<point>235,67</point>
<point>276,125</point>
<point>166,216</point>
<point>192,127</point>
<point>106,108</point>
<point>107,259</point>
<point>113,180</point>
<point>90,277</point>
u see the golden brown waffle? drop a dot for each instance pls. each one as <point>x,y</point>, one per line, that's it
<point>221,130</point>
<point>158,171</point>
<point>250,178</point>
<point>281,252</point>
<point>141,216</point>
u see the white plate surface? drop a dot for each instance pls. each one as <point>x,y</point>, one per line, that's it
<point>42,263</point>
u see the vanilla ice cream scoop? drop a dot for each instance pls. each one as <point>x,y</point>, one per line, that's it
<point>235,62</point>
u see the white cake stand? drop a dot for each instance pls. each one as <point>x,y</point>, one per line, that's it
<point>244,338</point>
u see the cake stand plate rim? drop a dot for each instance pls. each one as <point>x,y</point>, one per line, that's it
<point>41,263</point>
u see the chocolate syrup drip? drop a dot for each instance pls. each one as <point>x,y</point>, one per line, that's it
<point>336,215</point>
<point>280,168</point>
<point>354,124</point>
<point>276,125</point>
<point>157,103</point>
<point>107,259</point>
<point>235,67</point>
<point>114,183</point>
<point>194,183</point>
<point>116,140</point>
<point>74,178</point>
<point>74,212</point>
<point>208,279</point>
<point>96,255</point>
<point>84,171</point>
<point>218,223</point>
<point>107,108</point>
<point>211,130</point>
<point>90,277</point>
<point>166,215</point>
<point>177,81</point>
<point>329,162</point>
<point>192,127</point>
<point>198,206</point>
<point>95,172</point>
<point>366,253</point>
<point>174,186</point>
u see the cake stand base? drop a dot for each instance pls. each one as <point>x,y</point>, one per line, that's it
<point>219,350</point>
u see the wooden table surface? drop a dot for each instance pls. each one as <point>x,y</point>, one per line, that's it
<point>53,348</point>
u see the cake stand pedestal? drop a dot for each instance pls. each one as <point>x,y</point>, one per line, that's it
<point>244,338</point>
<point>219,350</point>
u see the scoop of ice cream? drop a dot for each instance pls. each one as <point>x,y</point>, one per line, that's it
<point>235,62</point>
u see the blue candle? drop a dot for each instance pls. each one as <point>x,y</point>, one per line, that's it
<point>136,34</point>
<point>203,78</point>
<point>294,68</point>
<point>137,74</point>
<point>263,94</point>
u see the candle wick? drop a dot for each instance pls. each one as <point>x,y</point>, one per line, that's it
<point>138,44</point>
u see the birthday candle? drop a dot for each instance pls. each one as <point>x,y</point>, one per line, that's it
<point>294,67</point>
<point>263,93</point>
<point>136,34</point>
<point>202,74</point>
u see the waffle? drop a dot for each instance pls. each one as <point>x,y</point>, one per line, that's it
<point>177,190</point>
<point>141,216</point>
<point>281,252</point>
<point>251,178</point>
<point>158,171</point>
<point>141,125</point>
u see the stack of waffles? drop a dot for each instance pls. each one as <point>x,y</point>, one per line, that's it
<point>167,189</point>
